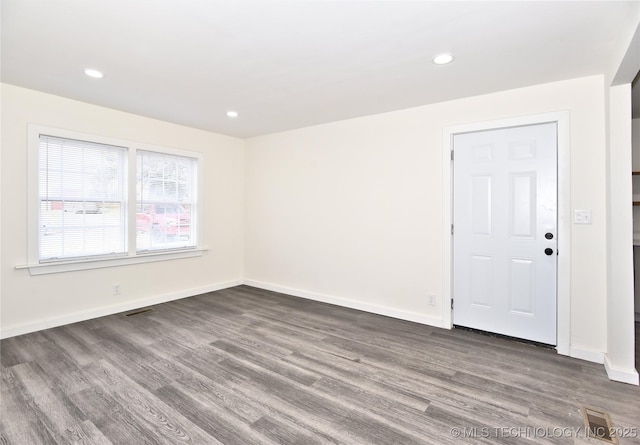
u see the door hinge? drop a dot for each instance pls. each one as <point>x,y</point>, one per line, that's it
<point>452,229</point>
<point>452,155</point>
<point>452,303</point>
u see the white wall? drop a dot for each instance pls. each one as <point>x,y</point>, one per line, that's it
<point>620,355</point>
<point>33,302</point>
<point>351,211</point>
<point>619,358</point>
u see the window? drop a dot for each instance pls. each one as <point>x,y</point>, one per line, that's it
<point>97,202</point>
<point>165,201</point>
<point>81,196</point>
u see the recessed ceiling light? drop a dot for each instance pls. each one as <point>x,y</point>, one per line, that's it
<point>443,59</point>
<point>93,73</point>
<point>232,114</point>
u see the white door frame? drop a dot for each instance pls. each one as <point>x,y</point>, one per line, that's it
<point>562,118</point>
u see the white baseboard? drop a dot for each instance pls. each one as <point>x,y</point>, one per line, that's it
<point>587,354</point>
<point>338,301</point>
<point>621,375</point>
<point>25,328</point>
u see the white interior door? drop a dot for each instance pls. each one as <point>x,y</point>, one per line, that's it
<point>505,231</point>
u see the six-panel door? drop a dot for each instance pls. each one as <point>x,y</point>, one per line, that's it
<point>505,237</point>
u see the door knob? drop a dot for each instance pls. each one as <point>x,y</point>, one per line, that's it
<point>548,251</point>
<point>548,235</point>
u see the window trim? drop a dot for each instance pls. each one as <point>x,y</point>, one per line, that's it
<point>131,256</point>
<point>98,263</point>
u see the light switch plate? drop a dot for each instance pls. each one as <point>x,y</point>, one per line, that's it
<point>582,217</point>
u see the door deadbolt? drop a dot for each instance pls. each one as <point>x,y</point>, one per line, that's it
<point>548,235</point>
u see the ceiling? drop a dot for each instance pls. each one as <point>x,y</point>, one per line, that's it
<point>288,64</point>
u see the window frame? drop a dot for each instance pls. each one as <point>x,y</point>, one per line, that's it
<point>131,256</point>
<point>195,191</point>
<point>68,164</point>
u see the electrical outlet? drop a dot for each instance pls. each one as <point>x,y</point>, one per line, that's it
<point>431,299</point>
<point>116,289</point>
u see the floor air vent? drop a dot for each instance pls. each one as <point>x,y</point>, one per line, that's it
<point>138,312</point>
<point>598,425</point>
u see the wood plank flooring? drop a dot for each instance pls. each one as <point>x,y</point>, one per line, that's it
<point>248,366</point>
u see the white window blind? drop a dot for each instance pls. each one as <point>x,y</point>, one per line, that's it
<point>82,211</point>
<point>166,201</point>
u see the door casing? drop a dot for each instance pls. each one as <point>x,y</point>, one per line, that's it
<point>562,118</point>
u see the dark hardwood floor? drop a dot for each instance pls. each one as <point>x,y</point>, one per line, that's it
<point>247,366</point>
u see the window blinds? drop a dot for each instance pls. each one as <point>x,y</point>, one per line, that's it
<point>82,199</point>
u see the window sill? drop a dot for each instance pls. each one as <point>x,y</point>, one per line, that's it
<point>84,264</point>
